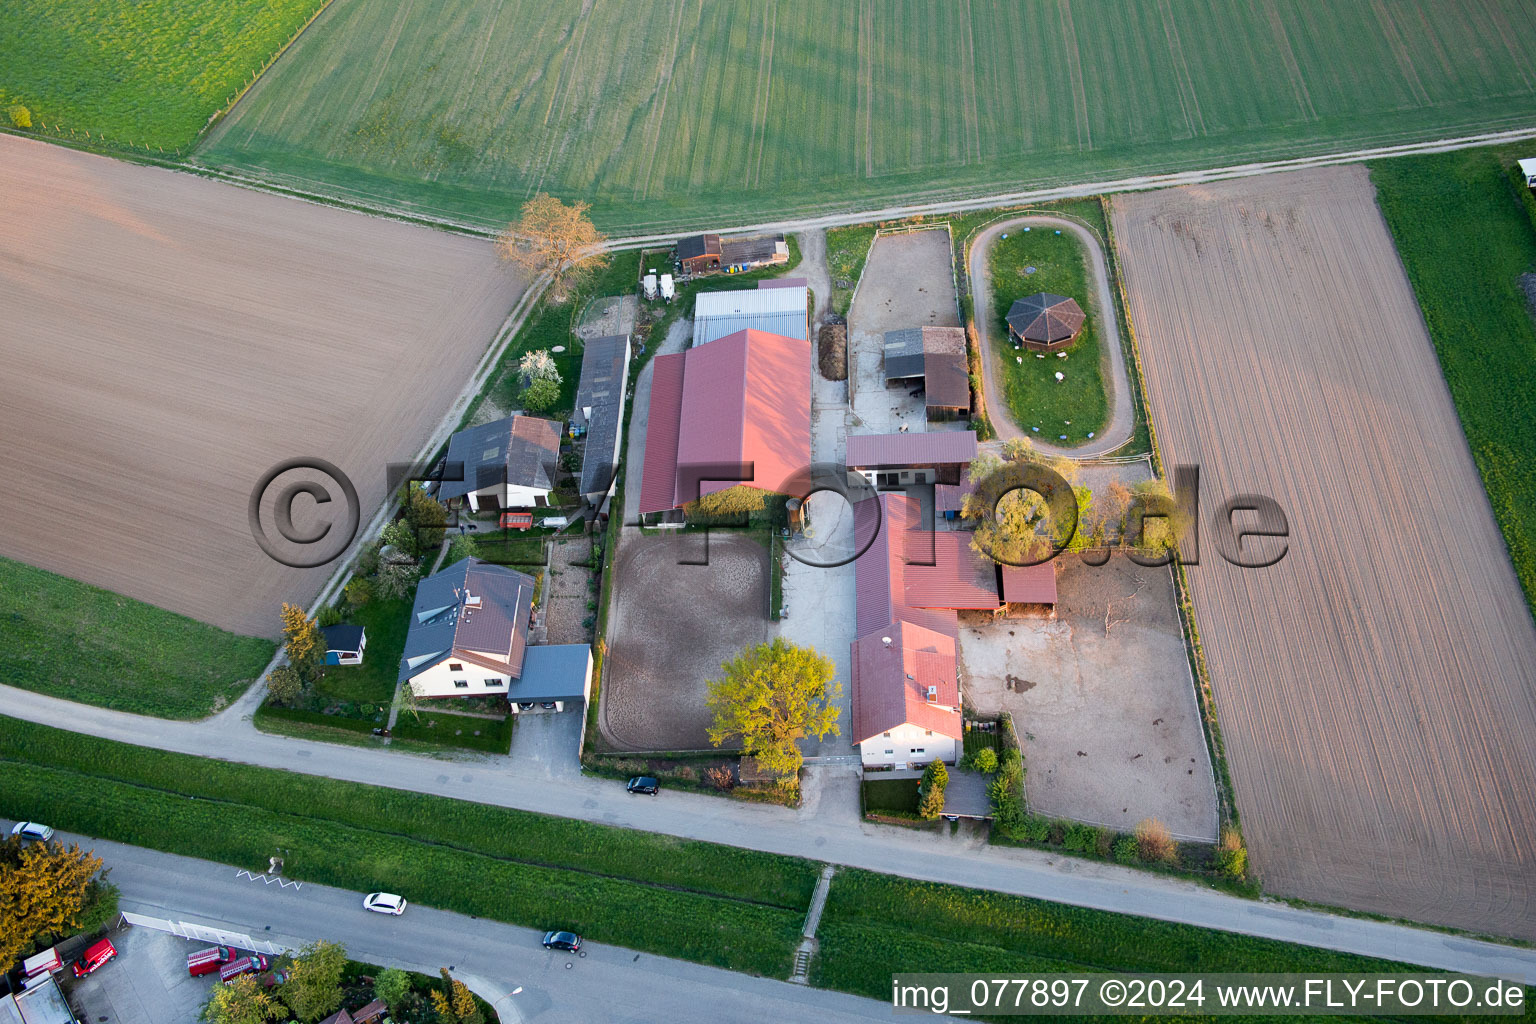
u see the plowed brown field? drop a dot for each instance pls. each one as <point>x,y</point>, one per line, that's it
<point>165,339</point>
<point>1377,687</point>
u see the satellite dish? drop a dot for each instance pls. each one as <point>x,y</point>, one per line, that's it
<point>558,348</point>
<point>886,640</point>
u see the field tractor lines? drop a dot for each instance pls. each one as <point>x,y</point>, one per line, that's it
<point>651,142</point>
<point>1392,33</point>
<point>972,142</point>
<point>867,82</point>
<point>363,99</point>
<point>1288,58</point>
<point>761,101</point>
<point>1189,103</point>
<point>1074,59</point>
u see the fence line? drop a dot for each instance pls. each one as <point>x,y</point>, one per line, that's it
<point>204,933</point>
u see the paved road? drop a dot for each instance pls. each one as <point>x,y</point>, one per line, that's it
<point>824,830</point>
<point>1122,420</point>
<point>609,984</point>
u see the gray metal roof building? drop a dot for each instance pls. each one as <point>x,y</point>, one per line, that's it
<point>599,412</point>
<point>903,354</point>
<point>775,310</point>
<point>475,611</point>
<point>516,450</point>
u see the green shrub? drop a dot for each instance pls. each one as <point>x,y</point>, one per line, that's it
<point>1231,857</point>
<point>284,686</point>
<point>21,117</point>
<point>1080,838</point>
<point>1126,850</point>
<point>985,761</point>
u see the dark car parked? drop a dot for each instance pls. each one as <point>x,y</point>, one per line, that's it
<point>644,784</point>
<point>568,941</point>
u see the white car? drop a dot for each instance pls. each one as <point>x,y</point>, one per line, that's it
<point>32,830</point>
<point>384,903</point>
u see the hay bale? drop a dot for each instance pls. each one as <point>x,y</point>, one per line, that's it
<point>832,351</point>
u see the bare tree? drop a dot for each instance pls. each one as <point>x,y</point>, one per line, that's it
<point>551,237</point>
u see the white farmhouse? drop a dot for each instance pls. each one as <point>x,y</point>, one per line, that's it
<point>468,637</point>
<point>507,463</point>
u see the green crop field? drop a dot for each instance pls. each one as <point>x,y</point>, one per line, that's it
<point>71,640</point>
<point>139,72</point>
<point>1463,232</point>
<point>679,114</point>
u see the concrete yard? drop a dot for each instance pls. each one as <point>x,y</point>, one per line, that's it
<point>1376,687</point>
<point>168,339</point>
<point>1108,723</point>
<point>908,281</point>
<point>671,627</point>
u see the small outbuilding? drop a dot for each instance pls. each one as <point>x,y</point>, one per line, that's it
<point>935,358</point>
<point>344,644</point>
<point>1045,322</point>
<point>699,254</point>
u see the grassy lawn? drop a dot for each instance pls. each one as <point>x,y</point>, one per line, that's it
<point>552,324</point>
<point>875,925</point>
<point>491,736</point>
<point>142,72</point>
<point>746,113</point>
<point>1041,405</point>
<point>509,547</point>
<point>372,682</point>
<point>1465,239</point>
<point>68,639</point>
<point>847,249</point>
<point>890,795</point>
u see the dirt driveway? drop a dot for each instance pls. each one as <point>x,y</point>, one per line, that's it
<point>167,339</point>
<point>908,281</point>
<point>671,627</point>
<point>1108,720</point>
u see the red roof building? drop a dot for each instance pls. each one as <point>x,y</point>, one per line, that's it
<point>909,585</point>
<point>737,410</point>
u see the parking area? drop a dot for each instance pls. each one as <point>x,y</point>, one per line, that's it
<point>908,281</point>
<point>148,983</point>
<point>1102,700</point>
<point>671,626</point>
<point>546,742</point>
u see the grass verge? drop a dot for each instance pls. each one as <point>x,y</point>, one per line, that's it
<point>712,904</point>
<point>72,640</point>
<point>875,925</point>
<point>1465,241</point>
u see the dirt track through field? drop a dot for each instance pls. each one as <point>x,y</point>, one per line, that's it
<point>165,339</point>
<point>1377,687</point>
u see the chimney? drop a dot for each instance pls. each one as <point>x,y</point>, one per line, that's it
<point>933,695</point>
<point>471,600</point>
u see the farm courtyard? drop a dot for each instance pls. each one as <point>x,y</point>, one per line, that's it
<point>169,339</point>
<point>1375,687</point>
<point>1102,700</point>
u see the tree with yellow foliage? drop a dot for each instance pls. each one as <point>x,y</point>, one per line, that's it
<point>42,890</point>
<point>555,239</point>
<point>457,1004</point>
<point>302,641</point>
<point>243,1001</point>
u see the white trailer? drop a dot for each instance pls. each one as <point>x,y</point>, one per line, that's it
<point>1528,170</point>
<point>648,285</point>
<point>668,288</point>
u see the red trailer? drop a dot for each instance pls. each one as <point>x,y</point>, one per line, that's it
<point>517,520</point>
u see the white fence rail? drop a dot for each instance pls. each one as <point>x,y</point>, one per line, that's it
<point>203,933</point>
